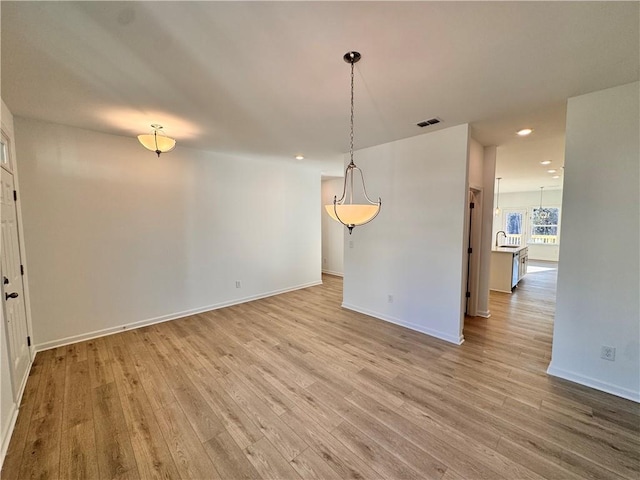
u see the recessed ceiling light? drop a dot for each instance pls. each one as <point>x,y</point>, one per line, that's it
<point>299,157</point>
<point>524,132</point>
<point>553,170</point>
<point>556,176</point>
<point>545,162</point>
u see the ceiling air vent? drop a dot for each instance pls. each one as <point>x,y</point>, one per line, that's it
<point>426,123</point>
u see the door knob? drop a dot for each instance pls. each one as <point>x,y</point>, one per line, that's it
<point>7,296</point>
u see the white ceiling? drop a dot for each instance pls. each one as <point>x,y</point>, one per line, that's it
<point>267,78</point>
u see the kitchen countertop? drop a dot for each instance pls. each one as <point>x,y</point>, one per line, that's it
<point>512,249</point>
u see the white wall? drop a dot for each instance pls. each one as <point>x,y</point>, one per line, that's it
<point>117,236</point>
<point>414,249</point>
<point>332,231</point>
<point>476,159</point>
<point>527,201</point>
<point>598,277</point>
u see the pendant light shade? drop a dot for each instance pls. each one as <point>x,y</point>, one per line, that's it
<point>350,214</point>
<point>497,210</point>
<point>542,212</point>
<point>157,141</point>
<point>343,209</point>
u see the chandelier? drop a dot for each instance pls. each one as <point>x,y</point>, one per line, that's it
<point>343,209</point>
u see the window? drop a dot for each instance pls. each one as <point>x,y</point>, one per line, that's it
<point>514,226</point>
<point>514,223</point>
<point>544,225</point>
<point>5,159</point>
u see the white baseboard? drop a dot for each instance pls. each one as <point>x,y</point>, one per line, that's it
<point>331,272</point>
<point>458,340</point>
<point>6,435</point>
<point>593,383</point>
<point>164,318</point>
<point>483,314</point>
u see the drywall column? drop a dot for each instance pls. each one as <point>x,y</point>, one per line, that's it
<point>488,182</point>
<point>406,266</point>
<point>598,277</point>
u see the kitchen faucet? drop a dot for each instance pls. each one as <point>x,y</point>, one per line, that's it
<point>498,233</point>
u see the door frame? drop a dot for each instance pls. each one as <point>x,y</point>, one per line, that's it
<point>473,259</point>
<point>7,136</point>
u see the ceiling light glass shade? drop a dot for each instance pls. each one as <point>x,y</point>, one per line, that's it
<point>157,141</point>
<point>343,209</point>
<point>353,214</point>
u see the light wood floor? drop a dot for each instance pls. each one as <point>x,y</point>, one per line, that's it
<point>294,387</point>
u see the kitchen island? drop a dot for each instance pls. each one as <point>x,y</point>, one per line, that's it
<point>508,266</point>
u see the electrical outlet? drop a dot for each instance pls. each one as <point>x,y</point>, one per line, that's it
<point>350,243</point>
<point>324,261</point>
<point>608,353</point>
<point>390,299</point>
<point>238,284</point>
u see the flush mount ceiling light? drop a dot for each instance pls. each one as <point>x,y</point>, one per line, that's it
<point>553,170</point>
<point>545,162</point>
<point>497,210</point>
<point>299,157</point>
<point>524,132</point>
<point>157,141</point>
<point>343,209</point>
<point>556,176</point>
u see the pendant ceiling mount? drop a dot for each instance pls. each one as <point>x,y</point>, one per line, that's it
<point>343,209</point>
<point>352,57</point>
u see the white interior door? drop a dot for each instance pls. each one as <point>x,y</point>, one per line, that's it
<point>12,287</point>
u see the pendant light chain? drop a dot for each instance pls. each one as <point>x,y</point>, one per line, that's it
<point>343,209</point>
<point>351,137</point>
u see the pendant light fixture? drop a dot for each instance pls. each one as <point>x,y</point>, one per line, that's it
<point>497,210</point>
<point>542,213</point>
<point>157,141</point>
<point>343,209</point>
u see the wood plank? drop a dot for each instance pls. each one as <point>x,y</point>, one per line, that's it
<point>14,456</point>
<point>310,465</point>
<point>189,455</point>
<point>78,459</point>
<point>149,447</point>
<point>77,407</point>
<point>236,422</point>
<point>284,439</point>
<point>329,448</point>
<point>113,445</point>
<point>99,362</point>
<point>380,459</point>
<point>229,460</point>
<point>268,461</point>
<point>41,456</point>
